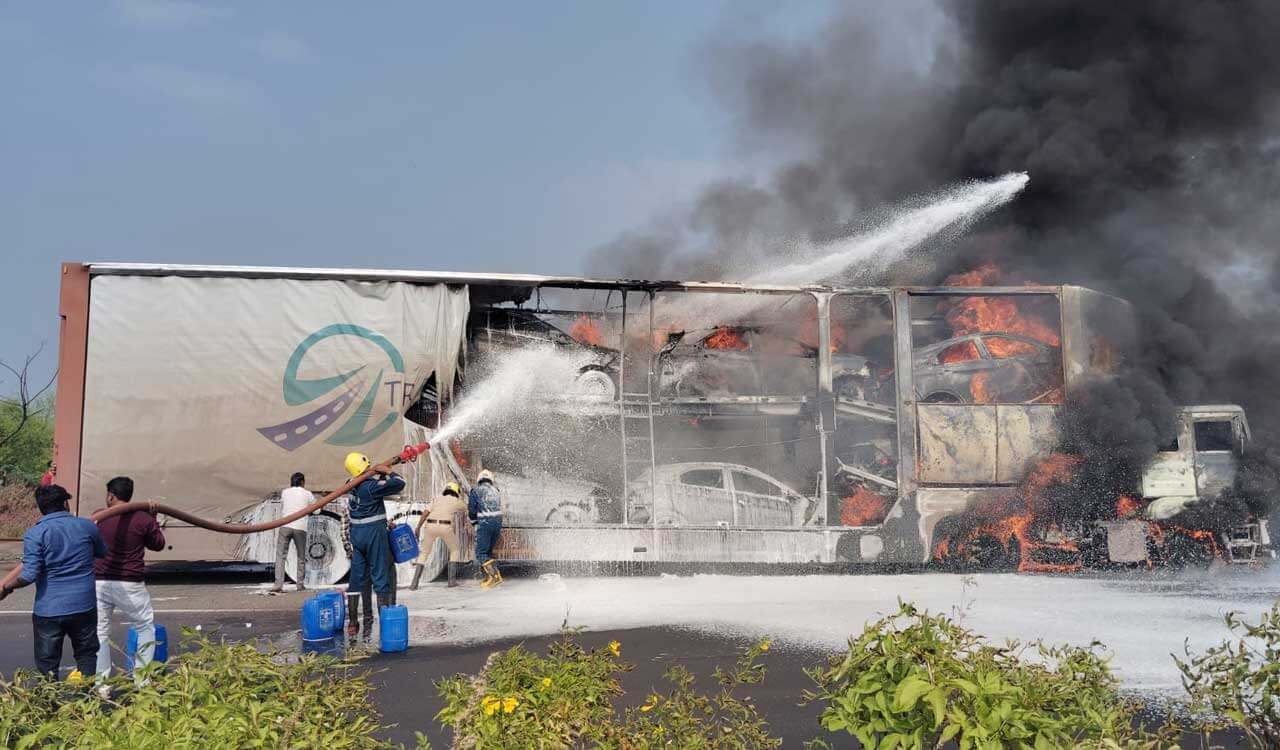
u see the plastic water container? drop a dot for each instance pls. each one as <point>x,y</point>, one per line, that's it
<point>160,653</point>
<point>404,543</point>
<point>394,628</point>
<point>317,619</point>
<point>327,647</point>
<point>338,601</point>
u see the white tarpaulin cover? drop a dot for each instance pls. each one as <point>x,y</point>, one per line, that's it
<point>211,392</point>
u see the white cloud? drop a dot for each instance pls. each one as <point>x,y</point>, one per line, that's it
<point>167,14</point>
<point>283,47</point>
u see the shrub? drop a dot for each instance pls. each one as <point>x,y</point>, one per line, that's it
<point>216,695</point>
<point>566,700</point>
<point>1240,680</point>
<point>915,680</point>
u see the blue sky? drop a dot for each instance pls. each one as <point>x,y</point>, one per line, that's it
<point>509,137</point>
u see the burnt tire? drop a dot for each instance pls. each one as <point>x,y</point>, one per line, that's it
<point>594,382</point>
<point>942,397</point>
<point>568,514</point>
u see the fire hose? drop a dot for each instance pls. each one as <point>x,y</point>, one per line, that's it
<point>408,455</point>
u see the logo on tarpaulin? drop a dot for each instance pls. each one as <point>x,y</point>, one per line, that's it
<point>353,424</point>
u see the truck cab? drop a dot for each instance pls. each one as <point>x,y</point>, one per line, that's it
<point>1200,463</point>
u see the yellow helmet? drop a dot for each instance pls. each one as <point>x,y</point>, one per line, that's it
<point>356,463</point>
<point>453,488</point>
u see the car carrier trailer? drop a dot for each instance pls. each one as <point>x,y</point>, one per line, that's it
<point>787,406</point>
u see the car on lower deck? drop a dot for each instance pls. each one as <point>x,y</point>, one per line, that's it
<point>717,494</point>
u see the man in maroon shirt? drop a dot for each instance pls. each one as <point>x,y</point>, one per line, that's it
<point>119,575</point>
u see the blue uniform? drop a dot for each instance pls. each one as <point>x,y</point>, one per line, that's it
<point>484,505</point>
<point>370,548</point>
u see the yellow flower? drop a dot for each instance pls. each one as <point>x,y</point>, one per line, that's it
<point>649,704</point>
<point>509,704</point>
<point>490,705</point>
<point>764,645</point>
<point>546,682</point>
<point>615,648</point>
<point>658,730</point>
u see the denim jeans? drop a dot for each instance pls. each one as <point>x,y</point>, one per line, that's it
<point>81,628</point>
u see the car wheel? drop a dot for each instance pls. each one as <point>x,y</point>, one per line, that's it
<point>595,383</point>
<point>567,514</point>
<point>327,561</point>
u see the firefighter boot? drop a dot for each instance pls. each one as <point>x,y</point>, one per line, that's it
<point>453,574</point>
<point>367,597</point>
<point>384,600</point>
<point>353,615</point>
<point>491,575</point>
<point>417,576</point>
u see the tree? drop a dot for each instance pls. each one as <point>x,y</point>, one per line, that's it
<point>26,421</point>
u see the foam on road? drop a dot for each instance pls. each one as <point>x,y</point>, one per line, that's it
<point>1142,619</point>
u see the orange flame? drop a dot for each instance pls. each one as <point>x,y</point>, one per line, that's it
<point>999,315</point>
<point>727,338</point>
<point>1015,520</point>
<point>864,508</point>
<point>1127,506</point>
<point>586,330</point>
<point>970,315</point>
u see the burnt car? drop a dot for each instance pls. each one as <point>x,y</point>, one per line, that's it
<point>496,330</point>
<point>754,361</point>
<point>984,368</point>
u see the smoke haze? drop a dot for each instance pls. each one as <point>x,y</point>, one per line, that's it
<point>1147,131</point>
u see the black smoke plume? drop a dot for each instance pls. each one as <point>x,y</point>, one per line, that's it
<point>1148,130</point>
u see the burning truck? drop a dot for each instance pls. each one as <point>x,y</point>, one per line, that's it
<point>689,422</point>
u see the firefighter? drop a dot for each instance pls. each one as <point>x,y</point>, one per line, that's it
<point>370,547</point>
<point>440,519</point>
<point>484,506</point>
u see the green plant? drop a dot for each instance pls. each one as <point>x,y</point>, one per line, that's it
<point>26,437</point>
<point>520,699</point>
<point>566,700</point>
<point>1240,680</point>
<point>684,718</point>
<point>212,696</point>
<point>915,680</point>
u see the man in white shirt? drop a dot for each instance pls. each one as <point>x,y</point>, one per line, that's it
<point>294,498</point>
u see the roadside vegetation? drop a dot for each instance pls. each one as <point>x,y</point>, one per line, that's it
<point>570,698</point>
<point>909,680</point>
<point>26,444</point>
<point>214,695</point>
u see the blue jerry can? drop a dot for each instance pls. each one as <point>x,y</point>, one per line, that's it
<point>404,543</point>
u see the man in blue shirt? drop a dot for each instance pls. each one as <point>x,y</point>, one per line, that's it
<point>370,547</point>
<point>57,556</point>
